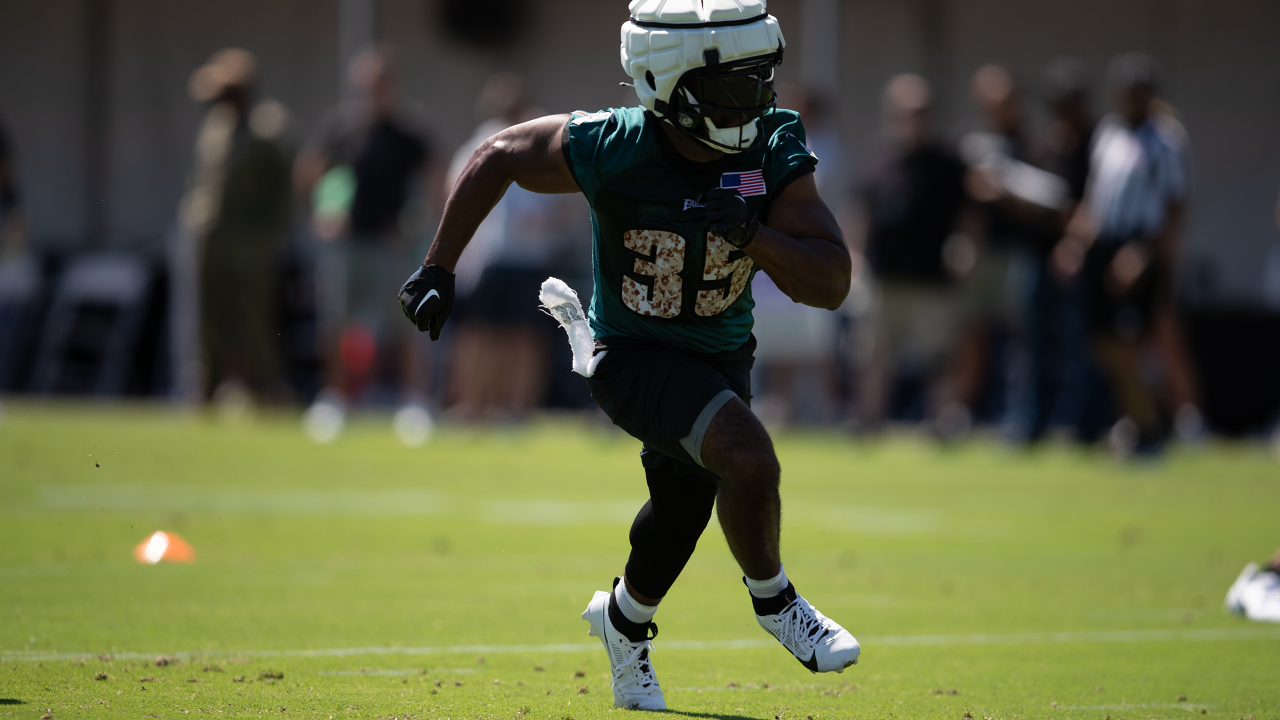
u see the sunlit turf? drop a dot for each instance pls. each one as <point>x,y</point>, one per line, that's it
<point>446,581</point>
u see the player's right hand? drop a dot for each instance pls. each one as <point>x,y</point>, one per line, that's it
<point>729,217</point>
<point>427,299</point>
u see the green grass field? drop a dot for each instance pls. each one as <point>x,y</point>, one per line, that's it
<point>447,581</point>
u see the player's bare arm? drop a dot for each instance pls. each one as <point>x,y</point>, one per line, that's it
<point>802,249</point>
<point>528,154</point>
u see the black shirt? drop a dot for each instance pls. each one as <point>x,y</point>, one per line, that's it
<point>1066,154</point>
<point>8,186</point>
<point>913,200</point>
<point>385,154</point>
<point>1004,228</point>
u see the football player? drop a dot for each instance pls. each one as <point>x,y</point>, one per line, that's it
<point>691,193</point>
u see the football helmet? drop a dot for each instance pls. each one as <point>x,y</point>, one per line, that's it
<point>705,66</point>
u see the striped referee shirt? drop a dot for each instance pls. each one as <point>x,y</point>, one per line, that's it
<point>1136,173</point>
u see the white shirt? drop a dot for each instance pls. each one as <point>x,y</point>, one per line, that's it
<point>1135,174</point>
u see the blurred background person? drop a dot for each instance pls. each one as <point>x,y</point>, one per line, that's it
<point>19,270</point>
<point>1123,241</point>
<point>13,225</point>
<point>499,363</point>
<point>1272,279</point>
<point>1024,212</point>
<point>1064,150</point>
<point>361,168</point>
<point>992,155</point>
<point>1063,381</point>
<point>796,375</point>
<point>237,210</point>
<point>910,204</point>
<point>836,178</point>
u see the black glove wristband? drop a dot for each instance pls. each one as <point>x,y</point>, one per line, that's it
<point>730,218</point>
<point>737,236</point>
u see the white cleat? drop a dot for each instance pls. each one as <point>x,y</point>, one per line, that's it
<point>817,641</point>
<point>1234,602</point>
<point>634,685</point>
<point>1255,594</point>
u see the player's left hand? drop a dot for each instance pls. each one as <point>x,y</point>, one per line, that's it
<point>730,218</point>
<point>427,299</point>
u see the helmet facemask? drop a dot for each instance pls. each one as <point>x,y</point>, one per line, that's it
<point>721,105</point>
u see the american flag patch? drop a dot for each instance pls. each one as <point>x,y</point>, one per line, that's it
<point>746,183</point>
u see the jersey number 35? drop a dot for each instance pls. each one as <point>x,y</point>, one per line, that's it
<point>663,260</point>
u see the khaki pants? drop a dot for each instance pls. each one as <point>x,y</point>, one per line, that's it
<point>913,323</point>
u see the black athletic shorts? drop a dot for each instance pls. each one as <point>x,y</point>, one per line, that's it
<point>665,397</point>
<point>507,296</point>
<point>1125,315</point>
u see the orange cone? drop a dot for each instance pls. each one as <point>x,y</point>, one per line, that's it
<point>164,546</point>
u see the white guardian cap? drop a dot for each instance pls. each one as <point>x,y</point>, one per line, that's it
<point>705,66</point>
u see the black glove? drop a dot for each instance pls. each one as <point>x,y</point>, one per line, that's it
<point>427,298</point>
<point>729,217</point>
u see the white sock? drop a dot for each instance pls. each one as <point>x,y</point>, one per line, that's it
<point>768,588</point>
<point>634,610</point>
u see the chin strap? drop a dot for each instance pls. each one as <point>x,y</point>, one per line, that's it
<point>686,122</point>
<point>722,137</point>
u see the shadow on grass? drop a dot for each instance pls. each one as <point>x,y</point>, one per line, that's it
<point>710,716</point>
<point>12,701</point>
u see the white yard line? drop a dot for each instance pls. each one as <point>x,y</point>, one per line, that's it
<point>1060,638</point>
<point>407,671</point>
<point>1130,706</point>
<point>418,502</point>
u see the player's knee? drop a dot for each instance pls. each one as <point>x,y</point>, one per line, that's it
<point>737,447</point>
<point>753,467</point>
<point>766,470</point>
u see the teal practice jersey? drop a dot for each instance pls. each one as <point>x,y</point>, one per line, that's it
<point>659,273</point>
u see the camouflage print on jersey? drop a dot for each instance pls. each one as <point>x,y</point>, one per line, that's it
<point>659,274</point>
